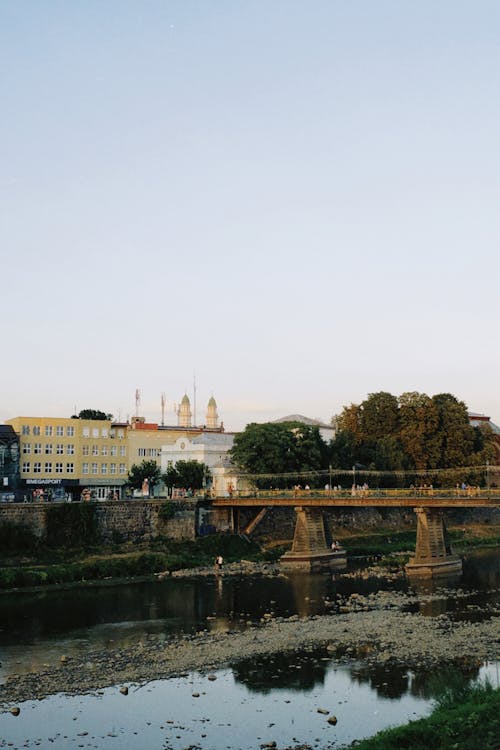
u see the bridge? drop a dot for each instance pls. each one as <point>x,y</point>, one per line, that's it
<point>433,553</point>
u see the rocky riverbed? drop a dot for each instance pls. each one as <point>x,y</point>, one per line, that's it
<point>377,628</point>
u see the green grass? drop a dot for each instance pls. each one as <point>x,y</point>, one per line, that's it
<point>464,718</point>
<point>49,567</point>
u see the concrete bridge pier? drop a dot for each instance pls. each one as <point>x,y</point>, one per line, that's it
<point>433,553</point>
<point>310,550</point>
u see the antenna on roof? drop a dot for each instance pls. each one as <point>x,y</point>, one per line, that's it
<point>194,399</point>
<point>137,401</point>
<point>162,409</point>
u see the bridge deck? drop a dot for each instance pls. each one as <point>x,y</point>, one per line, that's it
<point>367,501</point>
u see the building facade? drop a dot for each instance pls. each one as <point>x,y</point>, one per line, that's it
<point>71,458</point>
<point>9,462</point>
<point>63,458</point>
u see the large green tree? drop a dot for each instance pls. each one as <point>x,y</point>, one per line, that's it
<point>188,474</point>
<point>276,448</point>
<point>413,432</point>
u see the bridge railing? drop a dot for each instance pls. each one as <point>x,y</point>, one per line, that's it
<point>363,492</point>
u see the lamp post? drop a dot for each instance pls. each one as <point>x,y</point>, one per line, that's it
<point>488,477</point>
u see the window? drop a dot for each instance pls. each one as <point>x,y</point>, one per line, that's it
<point>60,449</point>
<point>94,468</point>
<point>104,468</point>
<point>70,449</point>
<point>123,450</point>
<point>59,467</point>
<point>104,432</point>
<point>59,430</point>
<point>104,450</point>
<point>85,468</point>
<point>95,450</point>
<point>27,448</point>
<point>37,448</point>
<point>70,468</point>
<point>25,429</point>
<point>37,467</point>
<point>48,449</point>
<point>114,450</point>
<point>112,468</point>
<point>70,431</point>
<point>122,468</point>
<point>36,429</point>
<point>95,432</point>
<point>86,432</point>
<point>48,467</point>
<point>121,434</point>
<point>48,430</point>
<point>26,466</point>
<point>86,450</point>
<point>141,451</point>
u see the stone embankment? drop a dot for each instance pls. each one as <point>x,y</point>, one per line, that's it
<point>376,628</point>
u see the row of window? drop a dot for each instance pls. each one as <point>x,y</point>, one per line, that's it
<point>59,468</point>
<point>69,449</point>
<point>60,430</point>
<point>94,468</point>
<point>49,448</point>
<point>153,452</point>
<point>104,432</point>
<point>35,429</point>
<point>103,451</point>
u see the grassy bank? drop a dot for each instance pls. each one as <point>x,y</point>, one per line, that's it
<point>49,567</point>
<point>40,565</point>
<point>389,541</point>
<point>466,718</point>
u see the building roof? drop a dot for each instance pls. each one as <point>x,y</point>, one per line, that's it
<point>7,432</point>
<point>304,420</point>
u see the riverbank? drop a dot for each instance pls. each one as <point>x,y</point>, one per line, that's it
<point>468,720</point>
<point>49,568</point>
<point>375,628</point>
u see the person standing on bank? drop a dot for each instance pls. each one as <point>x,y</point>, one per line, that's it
<point>219,561</point>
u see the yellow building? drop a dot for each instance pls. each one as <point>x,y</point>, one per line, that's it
<point>61,457</point>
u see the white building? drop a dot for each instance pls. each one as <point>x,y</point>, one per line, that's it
<point>209,448</point>
<point>327,431</point>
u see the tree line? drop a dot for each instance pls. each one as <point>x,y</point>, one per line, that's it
<point>190,475</point>
<point>407,434</point>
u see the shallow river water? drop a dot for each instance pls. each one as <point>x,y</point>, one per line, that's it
<point>256,702</point>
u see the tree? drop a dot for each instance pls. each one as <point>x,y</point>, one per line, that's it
<point>379,416</point>
<point>419,435</point>
<point>456,432</point>
<point>146,470</point>
<point>276,448</point>
<point>92,414</point>
<point>192,474</point>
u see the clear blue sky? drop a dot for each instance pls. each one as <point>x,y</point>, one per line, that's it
<point>297,201</point>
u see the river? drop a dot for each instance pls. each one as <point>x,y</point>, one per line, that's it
<point>259,700</point>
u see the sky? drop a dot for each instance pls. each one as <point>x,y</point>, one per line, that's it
<point>292,204</point>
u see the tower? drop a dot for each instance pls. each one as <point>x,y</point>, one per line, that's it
<point>184,413</point>
<point>212,416</point>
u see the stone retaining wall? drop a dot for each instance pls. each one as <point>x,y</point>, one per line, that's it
<point>124,520</point>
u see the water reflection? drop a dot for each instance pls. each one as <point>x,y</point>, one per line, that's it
<point>35,627</point>
<point>299,672</point>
